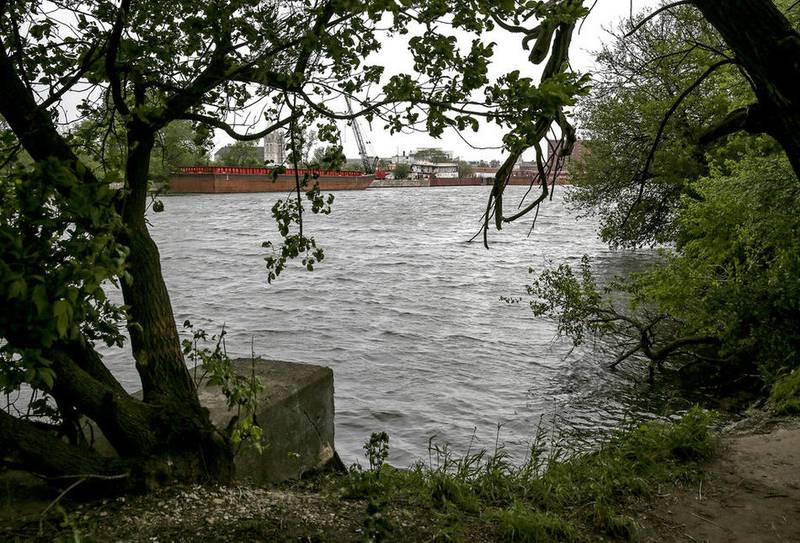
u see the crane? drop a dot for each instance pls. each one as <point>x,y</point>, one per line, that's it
<point>369,165</point>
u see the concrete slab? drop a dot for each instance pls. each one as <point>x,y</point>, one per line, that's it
<point>296,413</point>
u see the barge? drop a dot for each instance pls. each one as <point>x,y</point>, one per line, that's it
<point>226,179</point>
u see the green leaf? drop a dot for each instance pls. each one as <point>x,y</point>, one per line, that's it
<point>62,312</point>
<point>17,288</point>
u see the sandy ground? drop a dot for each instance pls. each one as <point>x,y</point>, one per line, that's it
<point>750,492</point>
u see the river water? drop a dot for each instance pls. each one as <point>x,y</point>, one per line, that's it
<point>406,313</point>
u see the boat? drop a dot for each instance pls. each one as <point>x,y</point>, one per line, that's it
<point>228,179</point>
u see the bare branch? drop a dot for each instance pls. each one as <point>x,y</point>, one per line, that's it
<point>661,354</point>
<point>656,13</point>
<point>645,173</point>
<point>228,129</point>
<point>542,179</point>
<point>624,356</point>
<point>88,59</point>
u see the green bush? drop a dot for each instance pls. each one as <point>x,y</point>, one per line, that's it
<point>785,397</point>
<point>735,273</point>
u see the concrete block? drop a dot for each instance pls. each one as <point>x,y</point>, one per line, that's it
<point>296,413</point>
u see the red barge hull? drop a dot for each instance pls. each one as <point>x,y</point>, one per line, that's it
<point>219,180</point>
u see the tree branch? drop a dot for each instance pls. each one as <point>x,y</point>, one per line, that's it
<point>542,196</point>
<point>655,14</point>
<point>624,356</point>
<point>123,419</point>
<point>88,59</point>
<point>748,118</point>
<point>33,125</point>
<point>645,174</point>
<point>228,129</point>
<point>661,354</point>
<point>307,47</point>
<point>114,40</point>
<point>23,445</point>
<point>214,73</point>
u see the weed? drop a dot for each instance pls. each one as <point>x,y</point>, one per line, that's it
<point>241,391</point>
<point>377,525</point>
<point>785,396</point>
<point>377,450</point>
<point>556,495</point>
<point>523,525</point>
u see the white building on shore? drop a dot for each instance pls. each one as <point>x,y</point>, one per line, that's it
<point>421,169</point>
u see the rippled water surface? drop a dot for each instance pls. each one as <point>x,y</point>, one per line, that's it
<point>406,312</point>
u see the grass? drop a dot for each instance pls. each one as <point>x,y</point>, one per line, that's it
<point>785,395</point>
<point>549,497</point>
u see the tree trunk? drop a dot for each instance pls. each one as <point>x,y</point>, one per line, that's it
<point>768,48</point>
<point>182,424</point>
<point>154,335</point>
<point>169,435</point>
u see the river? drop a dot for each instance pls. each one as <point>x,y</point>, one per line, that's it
<point>406,313</point>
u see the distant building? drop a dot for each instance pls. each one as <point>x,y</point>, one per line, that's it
<point>427,163</point>
<point>440,170</point>
<point>400,159</point>
<point>275,147</point>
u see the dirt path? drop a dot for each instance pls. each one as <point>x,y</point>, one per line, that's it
<point>750,493</point>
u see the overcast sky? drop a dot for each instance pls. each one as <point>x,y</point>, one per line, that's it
<point>509,56</point>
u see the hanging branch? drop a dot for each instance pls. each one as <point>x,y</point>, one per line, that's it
<point>292,130</point>
<point>228,129</point>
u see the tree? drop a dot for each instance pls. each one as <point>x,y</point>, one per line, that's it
<point>431,155</point>
<point>240,154</point>
<point>141,66</point>
<point>724,298</point>
<point>638,79</point>
<point>354,165</point>
<point>330,157</point>
<point>401,171</point>
<point>722,304</point>
<point>760,39</point>
<point>465,169</point>
<point>178,144</point>
<point>765,45</point>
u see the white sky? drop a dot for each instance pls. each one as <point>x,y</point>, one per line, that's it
<point>509,56</point>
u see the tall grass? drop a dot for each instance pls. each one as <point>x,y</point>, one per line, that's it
<point>554,495</point>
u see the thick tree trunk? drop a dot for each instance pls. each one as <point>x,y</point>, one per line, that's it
<point>154,335</point>
<point>23,445</point>
<point>768,48</point>
<point>168,436</point>
<point>183,424</point>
